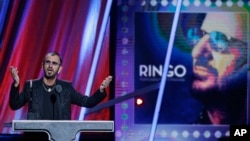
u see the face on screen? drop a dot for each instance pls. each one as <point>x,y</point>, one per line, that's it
<point>219,51</point>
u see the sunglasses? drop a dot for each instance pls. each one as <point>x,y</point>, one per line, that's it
<point>218,41</point>
<point>47,62</point>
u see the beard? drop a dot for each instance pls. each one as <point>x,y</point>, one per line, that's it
<point>50,74</point>
<point>231,98</point>
<point>232,87</point>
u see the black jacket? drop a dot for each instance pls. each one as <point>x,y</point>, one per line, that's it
<point>65,96</point>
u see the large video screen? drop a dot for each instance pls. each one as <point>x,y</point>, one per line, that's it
<point>206,88</point>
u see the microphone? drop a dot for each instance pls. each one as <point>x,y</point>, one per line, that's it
<point>58,90</point>
<point>53,98</point>
<point>31,113</point>
<point>30,97</point>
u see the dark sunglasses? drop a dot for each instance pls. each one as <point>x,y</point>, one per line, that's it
<point>218,41</point>
<point>47,62</point>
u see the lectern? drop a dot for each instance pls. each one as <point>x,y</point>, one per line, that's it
<point>62,130</point>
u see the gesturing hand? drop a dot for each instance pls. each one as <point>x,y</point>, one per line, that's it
<point>105,83</point>
<point>14,74</point>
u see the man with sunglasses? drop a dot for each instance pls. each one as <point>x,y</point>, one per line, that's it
<point>220,67</point>
<point>49,98</point>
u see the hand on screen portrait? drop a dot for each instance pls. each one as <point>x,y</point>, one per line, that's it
<point>105,83</point>
<point>14,74</point>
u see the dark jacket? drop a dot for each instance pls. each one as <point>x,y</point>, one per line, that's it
<point>65,95</point>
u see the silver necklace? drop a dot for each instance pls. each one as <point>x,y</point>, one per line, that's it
<point>48,89</point>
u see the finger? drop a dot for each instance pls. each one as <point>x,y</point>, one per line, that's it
<point>109,78</point>
<point>11,68</point>
<point>14,71</point>
<point>106,81</point>
<point>104,84</point>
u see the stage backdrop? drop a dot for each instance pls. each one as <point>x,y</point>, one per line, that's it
<point>31,28</point>
<point>143,35</point>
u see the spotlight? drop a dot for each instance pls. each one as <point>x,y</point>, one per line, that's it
<point>139,101</point>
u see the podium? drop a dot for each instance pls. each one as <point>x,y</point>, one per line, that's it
<point>62,130</point>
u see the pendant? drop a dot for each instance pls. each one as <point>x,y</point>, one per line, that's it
<point>49,90</point>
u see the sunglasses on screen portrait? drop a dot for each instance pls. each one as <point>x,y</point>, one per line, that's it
<point>218,40</point>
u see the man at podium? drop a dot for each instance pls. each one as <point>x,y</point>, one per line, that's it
<point>50,98</point>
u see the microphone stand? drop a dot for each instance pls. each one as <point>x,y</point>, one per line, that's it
<point>31,113</point>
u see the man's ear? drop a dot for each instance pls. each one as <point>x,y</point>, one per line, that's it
<point>60,69</point>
